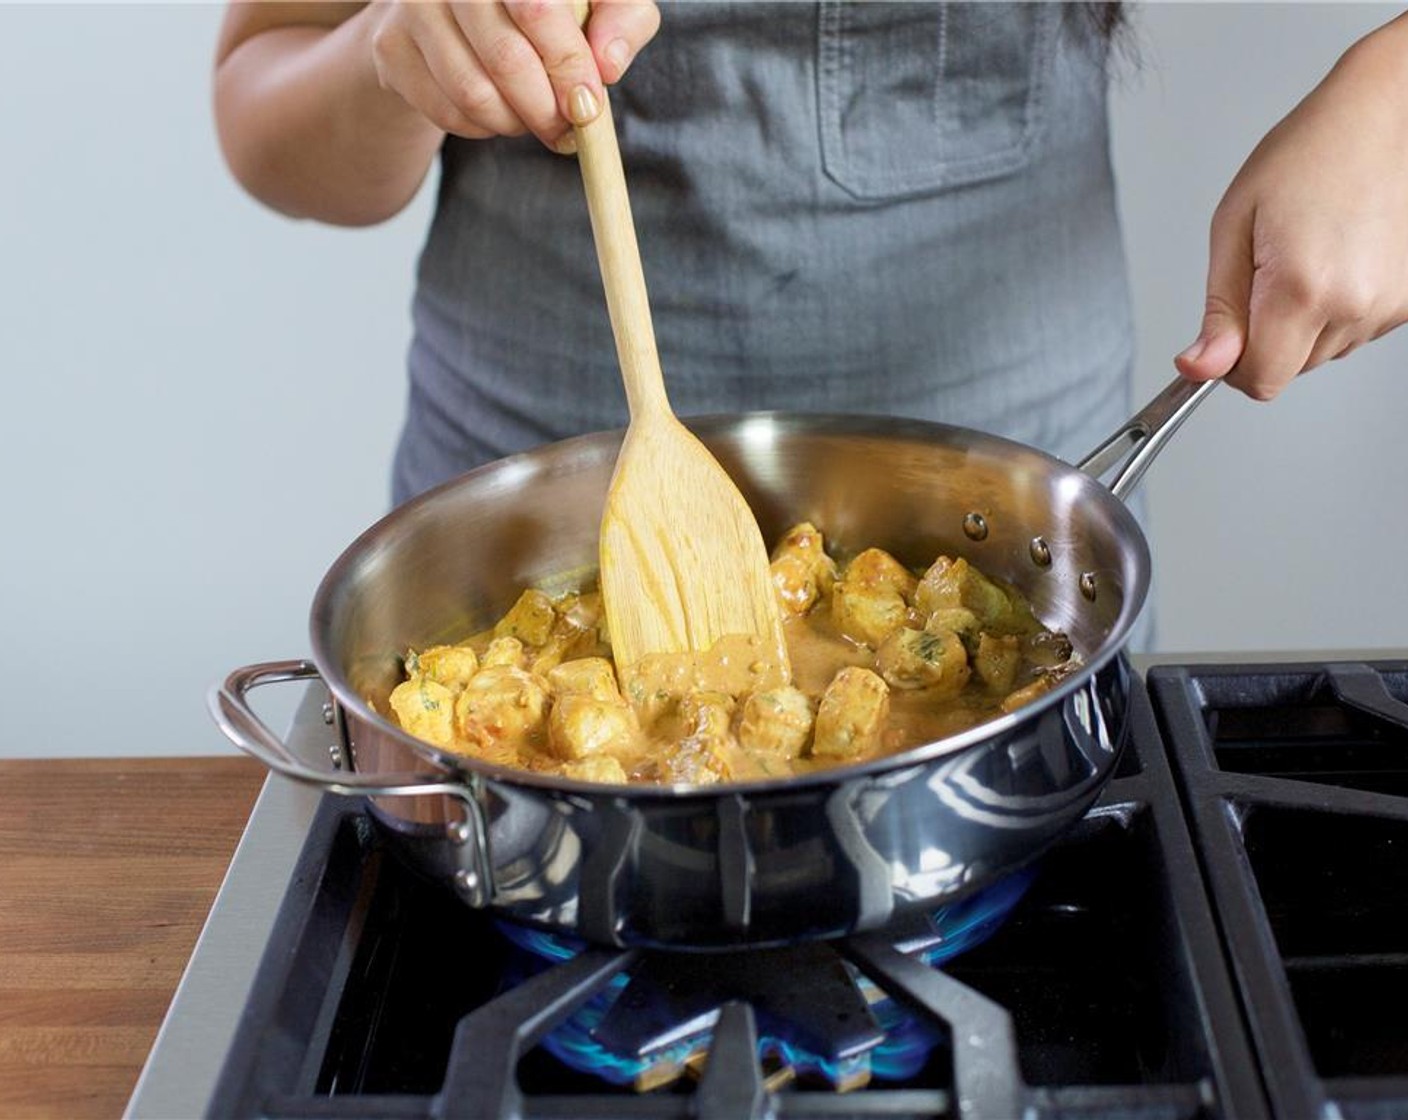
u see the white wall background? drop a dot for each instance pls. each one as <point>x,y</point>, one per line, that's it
<point>201,398</point>
<point>1276,526</point>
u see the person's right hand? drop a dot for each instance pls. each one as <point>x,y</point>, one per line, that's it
<point>485,68</point>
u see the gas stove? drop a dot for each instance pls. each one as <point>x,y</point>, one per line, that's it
<point>1224,935</point>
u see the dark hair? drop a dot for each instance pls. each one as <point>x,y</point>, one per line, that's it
<point>1106,25</point>
<point>1106,17</point>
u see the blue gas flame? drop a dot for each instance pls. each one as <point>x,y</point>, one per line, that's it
<point>956,928</point>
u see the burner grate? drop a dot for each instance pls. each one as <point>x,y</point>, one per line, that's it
<point>1296,781</point>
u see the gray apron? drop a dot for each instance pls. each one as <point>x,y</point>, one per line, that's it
<point>903,209</point>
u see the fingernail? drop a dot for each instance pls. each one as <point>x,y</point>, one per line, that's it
<point>582,105</point>
<point>618,53</point>
<point>1194,352</point>
<point>567,146</point>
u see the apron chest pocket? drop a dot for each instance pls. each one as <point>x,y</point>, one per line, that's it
<point>916,98</point>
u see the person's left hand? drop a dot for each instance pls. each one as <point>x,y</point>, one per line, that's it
<point>1309,246</point>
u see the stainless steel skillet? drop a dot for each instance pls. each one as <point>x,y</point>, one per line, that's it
<point>821,855</point>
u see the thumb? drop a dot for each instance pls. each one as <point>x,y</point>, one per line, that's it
<point>1223,334</point>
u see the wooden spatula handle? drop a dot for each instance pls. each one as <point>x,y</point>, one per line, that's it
<point>619,257</point>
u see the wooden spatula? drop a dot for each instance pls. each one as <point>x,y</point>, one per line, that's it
<point>683,563</point>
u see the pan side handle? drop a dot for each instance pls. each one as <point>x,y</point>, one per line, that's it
<point>229,705</point>
<point>1139,439</point>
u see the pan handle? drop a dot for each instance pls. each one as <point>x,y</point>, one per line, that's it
<point>1135,442</point>
<point>230,708</point>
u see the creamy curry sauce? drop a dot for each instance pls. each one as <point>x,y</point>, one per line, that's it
<point>882,659</point>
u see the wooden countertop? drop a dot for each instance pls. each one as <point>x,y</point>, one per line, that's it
<point>108,868</point>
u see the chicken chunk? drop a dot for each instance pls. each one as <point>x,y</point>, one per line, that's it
<point>950,584</point>
<point>1048,648</point>
<point>581,726</point>
<point>1045,681</point>
<point>591,676</point>
<point>871,601</point>
<point>934,660</point>
<point>701,760</point>
<point>580,614</point>
<point>505,651</point>
<point>777,721</point>
<point>997,660</point>
<point>697,761</point>
<point>530,620</point>
<point>867,615</point>
<point>581,608</point>
<point>451,666</point>
<point>707,713</point>
<point>851,716</point>
<point>802,572</point>
<point>956,620</point>
<point>795,583</point>
<point>502,704</point>
<point>574,634</point>
<point>708,752</point>
<point>598,768</point>
<point>426,709</point>
<point>875,569</point>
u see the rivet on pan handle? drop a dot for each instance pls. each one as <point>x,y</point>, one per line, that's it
<point>230,708</point>
<point>1139,439</point>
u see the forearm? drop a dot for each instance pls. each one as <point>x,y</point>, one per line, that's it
<point>306,127</point>
<point>1308,249</point>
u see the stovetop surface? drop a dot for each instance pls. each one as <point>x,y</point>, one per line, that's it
<point>1223,935</point>
<point>1295,782</point>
